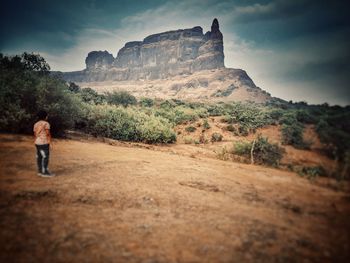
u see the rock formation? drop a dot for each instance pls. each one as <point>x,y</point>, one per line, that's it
<point>184,64</point>
<point>99,60</point>
<point>158,56</point>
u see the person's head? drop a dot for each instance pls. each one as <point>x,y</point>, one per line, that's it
<point>42,115</point>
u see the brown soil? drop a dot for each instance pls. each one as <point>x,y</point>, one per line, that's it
<point>129,204</point>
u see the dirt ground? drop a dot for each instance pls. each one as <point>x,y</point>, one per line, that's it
<point>129,204</point>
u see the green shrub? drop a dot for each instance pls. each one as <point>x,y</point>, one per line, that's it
<point>288,118</point>
<point>216,110</point>
<point>146,102</point>
<point>216,137</point>
<point>242,148</point>
<point>275,115</point>
<point>156,130</point>
<point>123,98</point>
<point>167,104</point>
<point>264,152</point>
<point>177,114</point>
<point>74,87</point>
<point>334,131</point>
<point>128,124</point>
<point>231,128</point>
<point>293,135</point>
<point>267,153</point>
<point>206,125</point>
<point>248,116</point>
<point>190,129</point>
<point>304,116</point>
<point>312,172</point>
<point>243,130</point>
<point>89,95</point>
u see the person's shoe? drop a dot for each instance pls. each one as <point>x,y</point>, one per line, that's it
<point>39,174</point>
<point>48,174</point>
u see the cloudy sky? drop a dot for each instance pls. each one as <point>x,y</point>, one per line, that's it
<point>295,49</point>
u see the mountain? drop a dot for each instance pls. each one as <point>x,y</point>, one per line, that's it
<point>184,64</point>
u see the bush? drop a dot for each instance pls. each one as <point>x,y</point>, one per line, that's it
<point>206,125</point>
<point>231,128</point>
<point>190,129</point>
<point>288,118</point>
<point>275,115</point>
<point>243,130</point>
<point>123,98</point>
<point>304,116</point>
<point>74,87</point>
<point>156,130</point>
<point>226,118</point>
<point>264,152</point>
<point>128,125</point>
<point>167,104</point>
<point>177,114</point>
<point>216,110</point>
<point>334,131</point>
<point>248,116</point>
<point>267,153</point>
<point>242,148</point>
<point>216,137</point>
<point>293,135</point>
<point>146,102</point>
<point>312,172</point>
<point>89,95</point>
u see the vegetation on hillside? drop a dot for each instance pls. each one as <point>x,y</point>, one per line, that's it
<point>259,151</point>
<point>26,86</point>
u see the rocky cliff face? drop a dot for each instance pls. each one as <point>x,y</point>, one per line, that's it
<point>183,64</point>
<point>99,60</point>
<point>158,56</point>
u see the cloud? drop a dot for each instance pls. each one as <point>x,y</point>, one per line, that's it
<point>290,48</point>
<point>271,10</point>
<point>169,16</point>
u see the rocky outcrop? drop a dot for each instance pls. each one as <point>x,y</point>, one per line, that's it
<point>99,60</point>
<point>184,64</point>
<point>158,56</point>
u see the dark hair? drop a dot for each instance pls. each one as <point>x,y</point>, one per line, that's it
<point>42,115</point>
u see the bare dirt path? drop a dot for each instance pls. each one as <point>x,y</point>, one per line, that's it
<point>118,204</point>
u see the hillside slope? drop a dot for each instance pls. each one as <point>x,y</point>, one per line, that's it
<point>207,85</point>
<point>117,204</point>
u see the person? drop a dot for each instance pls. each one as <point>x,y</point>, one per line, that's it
<point>42,143</point>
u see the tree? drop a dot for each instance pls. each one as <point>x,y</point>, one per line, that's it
<point>24,90</point>
<point>34,62</point>
<point>26,61</point>
<point>123,98</point>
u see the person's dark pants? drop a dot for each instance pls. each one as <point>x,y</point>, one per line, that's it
<point>42,157</point>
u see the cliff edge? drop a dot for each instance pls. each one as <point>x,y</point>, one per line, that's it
<point>185,63</point>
